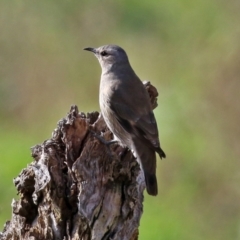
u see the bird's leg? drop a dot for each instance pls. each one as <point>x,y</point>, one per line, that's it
<point>123,152</point>
<point>102,140</point>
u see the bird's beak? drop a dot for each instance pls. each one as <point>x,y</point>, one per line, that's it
<point>90,49</point>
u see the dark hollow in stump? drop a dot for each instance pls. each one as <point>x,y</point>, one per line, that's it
<point>77,187</point>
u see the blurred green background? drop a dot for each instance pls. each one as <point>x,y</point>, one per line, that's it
<point>190,50</point>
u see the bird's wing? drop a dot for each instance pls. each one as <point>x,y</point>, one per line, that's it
<point>137,118</point>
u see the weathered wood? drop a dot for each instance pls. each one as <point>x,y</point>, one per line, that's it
<point>77,187</point>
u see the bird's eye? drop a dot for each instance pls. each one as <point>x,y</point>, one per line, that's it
<point>104,53</point>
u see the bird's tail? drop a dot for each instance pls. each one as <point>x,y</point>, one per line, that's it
<point>147,159</point>
<point>151,183</point>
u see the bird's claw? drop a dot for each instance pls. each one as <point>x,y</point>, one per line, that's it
<point>102,140</point>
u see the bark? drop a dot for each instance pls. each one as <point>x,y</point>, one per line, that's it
<point>77,187</point>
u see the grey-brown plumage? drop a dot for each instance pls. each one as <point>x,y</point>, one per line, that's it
<point>126,109</point>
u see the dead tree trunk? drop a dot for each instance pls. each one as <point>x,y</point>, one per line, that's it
<point>77,187</point>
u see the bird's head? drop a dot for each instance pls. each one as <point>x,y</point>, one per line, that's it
<point>109,56</point>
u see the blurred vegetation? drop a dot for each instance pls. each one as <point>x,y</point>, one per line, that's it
<point>190,50</point>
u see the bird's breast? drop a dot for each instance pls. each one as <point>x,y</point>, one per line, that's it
<point>112,122</point>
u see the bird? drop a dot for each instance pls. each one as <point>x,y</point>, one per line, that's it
<point>126,109</point>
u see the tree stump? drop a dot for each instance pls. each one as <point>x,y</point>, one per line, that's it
<point>77,187</point>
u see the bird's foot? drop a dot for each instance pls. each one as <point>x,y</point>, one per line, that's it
<point>102,140</point>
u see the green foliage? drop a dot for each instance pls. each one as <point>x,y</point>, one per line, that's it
<point>188,49</point>
<point>14,157</point>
